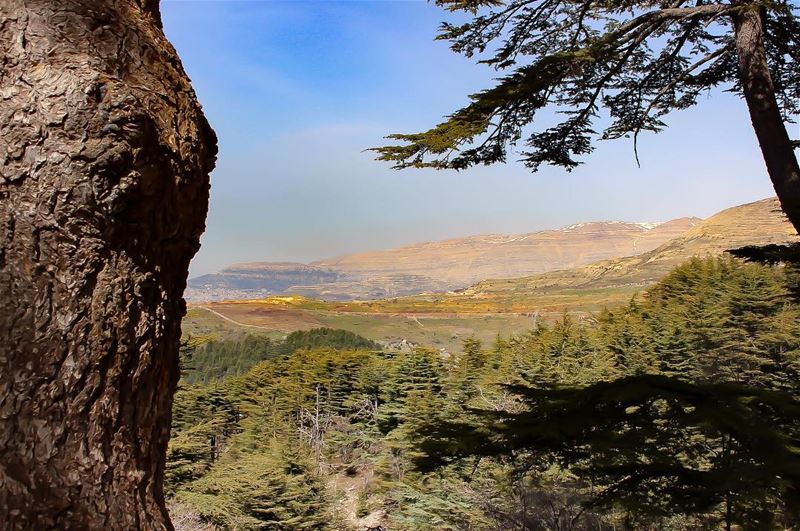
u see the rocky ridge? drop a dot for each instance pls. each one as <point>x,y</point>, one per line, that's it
<point>437,266</point>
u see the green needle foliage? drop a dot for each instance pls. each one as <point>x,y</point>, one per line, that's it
<point>210,360</point>
<point>703,422</point>
<point>275,489</point>
<point>676,411</point>
<point>622,64</point>
<point>650,444</point>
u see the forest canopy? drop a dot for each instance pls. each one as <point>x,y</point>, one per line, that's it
<point>678,410</point>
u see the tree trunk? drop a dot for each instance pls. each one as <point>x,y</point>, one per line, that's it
<point>104,163</point>
<point>759,93</point>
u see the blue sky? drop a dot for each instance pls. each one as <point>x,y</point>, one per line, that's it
<point>296,90</point>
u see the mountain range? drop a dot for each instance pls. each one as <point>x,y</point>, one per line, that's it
<point>591,254</point>
<point>437,266</point>
<point>758,223</point>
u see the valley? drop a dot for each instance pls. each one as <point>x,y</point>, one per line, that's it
<point>437,266</point>
<point>504,306</point>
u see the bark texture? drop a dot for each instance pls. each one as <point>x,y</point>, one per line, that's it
<point>759,93</point>
<point>104,163</point>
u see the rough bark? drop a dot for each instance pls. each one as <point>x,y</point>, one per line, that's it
<point>759,93</point>
<point>104,163</point>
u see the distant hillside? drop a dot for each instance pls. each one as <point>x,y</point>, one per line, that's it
<point>582,256</point>
<point>260,278</point>
<point>506,306</point>
<point>467,260</point>
<point>438,266</point>
<point>758,223</point>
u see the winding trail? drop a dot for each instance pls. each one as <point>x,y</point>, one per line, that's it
<point>237,323</point>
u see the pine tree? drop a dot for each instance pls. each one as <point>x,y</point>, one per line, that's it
<point>414,374</point>
<point>637,60</point>
<point>466,372</point>
<point>702,430</point>
<point>656,446</point>
<point>275,489</point>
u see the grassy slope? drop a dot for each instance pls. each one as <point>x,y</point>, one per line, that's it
<point>439,330</point>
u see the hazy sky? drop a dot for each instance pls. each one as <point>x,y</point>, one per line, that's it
<point>296,90</point>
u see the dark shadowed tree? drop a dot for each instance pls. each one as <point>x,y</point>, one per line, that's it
<point>104,163</point>
<point>630,62</point>
<point>653,445</point>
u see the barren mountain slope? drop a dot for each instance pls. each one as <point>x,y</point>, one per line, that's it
<point>466,260</point>
<point>758,223</point>
<point>582,256</point>
<point>437,266</point>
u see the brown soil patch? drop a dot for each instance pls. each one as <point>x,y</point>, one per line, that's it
<point>272,317</point>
